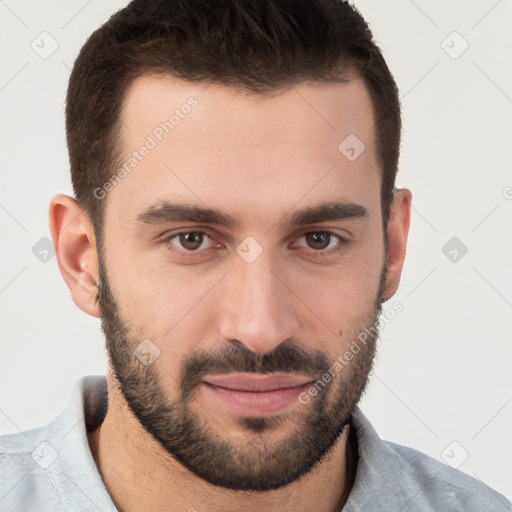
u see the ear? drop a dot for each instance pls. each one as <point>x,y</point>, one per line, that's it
<point>398,229</point>
<point>75,248</point>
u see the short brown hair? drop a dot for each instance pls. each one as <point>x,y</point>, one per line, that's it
<point>257,45</point>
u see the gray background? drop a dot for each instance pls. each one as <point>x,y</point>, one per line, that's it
<point>442,383</point>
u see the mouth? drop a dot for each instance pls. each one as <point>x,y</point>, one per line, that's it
<point>256,395</point>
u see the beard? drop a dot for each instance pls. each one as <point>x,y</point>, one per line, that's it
<point>254,463</point>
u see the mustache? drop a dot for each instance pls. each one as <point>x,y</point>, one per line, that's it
<point>287,357</point>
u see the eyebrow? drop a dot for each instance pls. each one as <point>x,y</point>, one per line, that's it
<point>167,211</point>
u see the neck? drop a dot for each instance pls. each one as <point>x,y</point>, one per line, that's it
<point>140,475</point>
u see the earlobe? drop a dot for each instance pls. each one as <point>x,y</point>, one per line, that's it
<point>398,230</point>
<point>75,247</point>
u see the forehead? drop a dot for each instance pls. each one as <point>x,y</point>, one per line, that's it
<point>216,145</point>
<point>288,115</point>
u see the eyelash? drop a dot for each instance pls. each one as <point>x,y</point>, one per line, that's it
<point>322,253</point>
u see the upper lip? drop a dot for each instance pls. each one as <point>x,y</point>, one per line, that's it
<point>257,382</point>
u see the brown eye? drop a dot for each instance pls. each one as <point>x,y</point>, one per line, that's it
<point>191,240</point>
<point>318,240</point>
<point>192,246</point>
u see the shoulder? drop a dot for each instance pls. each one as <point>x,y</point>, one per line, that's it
<point>442,487</point>
<point>390,476</point>
<point>25,448</point>
<point>24,480</point>
<point>51,468</point>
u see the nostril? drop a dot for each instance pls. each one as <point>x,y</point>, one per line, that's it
<point>236,343</point>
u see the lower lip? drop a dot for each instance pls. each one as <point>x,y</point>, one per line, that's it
<point>250,403</point>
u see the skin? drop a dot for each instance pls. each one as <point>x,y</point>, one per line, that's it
<point>259,159</point>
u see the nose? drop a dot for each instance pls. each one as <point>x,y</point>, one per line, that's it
<point>258,308</point>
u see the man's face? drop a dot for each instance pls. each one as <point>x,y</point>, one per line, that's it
<point>245,310</point>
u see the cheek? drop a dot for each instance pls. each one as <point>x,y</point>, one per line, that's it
<point>166,305</point>
<point>342,300</point>
<point>345,309</point>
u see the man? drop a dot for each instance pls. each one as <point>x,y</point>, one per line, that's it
<point>237,229</point>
